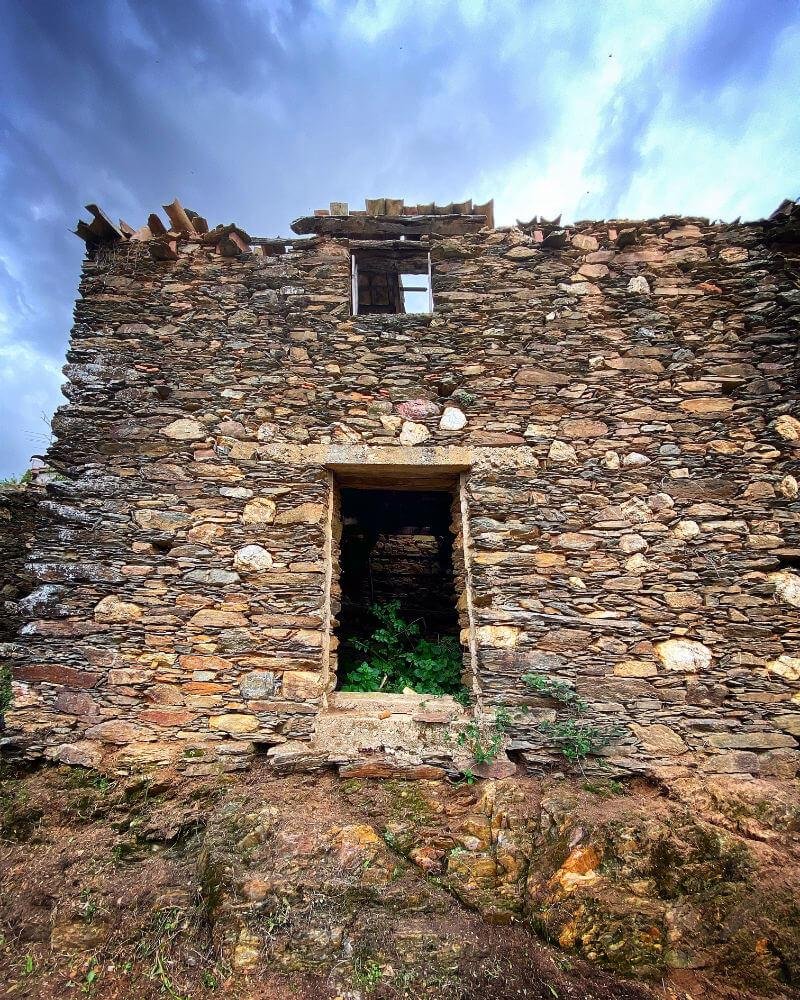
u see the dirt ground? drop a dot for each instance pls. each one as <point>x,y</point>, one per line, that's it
<point>302,886</point>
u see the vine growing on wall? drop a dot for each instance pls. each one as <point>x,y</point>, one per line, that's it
<point>396,655</point>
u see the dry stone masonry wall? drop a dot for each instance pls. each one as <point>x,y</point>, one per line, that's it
<point>622,397</point>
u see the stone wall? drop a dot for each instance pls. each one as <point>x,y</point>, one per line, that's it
<point>17,516</point>
<point>625,398</point>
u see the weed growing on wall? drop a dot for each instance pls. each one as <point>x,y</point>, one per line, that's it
<point>574,738</point>
<point>5,689</point>
<point>484,742</point>
<point>13,481</point>
<point>396,656</point>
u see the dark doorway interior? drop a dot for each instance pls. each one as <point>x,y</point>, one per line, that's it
<point>397,571</point>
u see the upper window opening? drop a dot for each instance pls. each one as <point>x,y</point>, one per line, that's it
<point>391,282</point>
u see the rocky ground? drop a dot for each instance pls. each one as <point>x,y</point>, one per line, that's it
<point>305,886</point>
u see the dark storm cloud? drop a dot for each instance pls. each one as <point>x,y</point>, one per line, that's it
<point>260,111</point>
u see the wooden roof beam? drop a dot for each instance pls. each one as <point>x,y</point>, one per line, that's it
<point>388,226</point>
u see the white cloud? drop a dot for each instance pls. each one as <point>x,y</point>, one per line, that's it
<point>29,393</point>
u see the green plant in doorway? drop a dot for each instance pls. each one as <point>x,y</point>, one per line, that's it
<point>396,655</point>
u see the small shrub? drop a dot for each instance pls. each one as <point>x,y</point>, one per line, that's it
<point>5,689</point>
<point>367,973</point>
<point>209,980</point>
<point>397,656</point>
<point>575,739</point>
<point>12,481</point>
<point>578,740</point>
<point>485,742</point>
<point>549,687</point>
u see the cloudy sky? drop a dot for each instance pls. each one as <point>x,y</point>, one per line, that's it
<point>258,111</point>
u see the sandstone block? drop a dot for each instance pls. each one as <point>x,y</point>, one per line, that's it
<point>789,724</point>
<point>659,739</point>
<point>528,375</point>
<point>582,428</point>
<point>112,611</point>
<point>787,426</point>
<point>707,406</point>
<point>499,636</point>
<point>118,731</point>
<point>787,587</point>
<point>389,768</point>
<point>413,434</point>
<point>301,684</point>
<point>635,668</point>
<point>549,560</point>
<point>575,541</point>
<point>560,451</point>
<point>127,676</point>
<point>682,600</point>
<point>735,762</point>
<point>593,271</point>
<point>211,618</point>
<point>305,513</point>
<point>523,253</point>
<point>787,667</point>
<point>210,663</point>
<point>83,753</point>
<point>583,242</point>
<point>541,431</point>
<point>234,723</point>
<point>185,430</point>
<point>56,673</point>
<point>160,520</point>
<point>683,655</point>
<point>751,741</point>
<point>252,559</point>
<point>169,719</point>
<point>630,364</point>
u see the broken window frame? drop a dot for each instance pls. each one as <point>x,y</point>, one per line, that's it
<point>388,259</point>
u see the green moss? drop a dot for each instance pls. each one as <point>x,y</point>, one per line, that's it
<point>701,861</point>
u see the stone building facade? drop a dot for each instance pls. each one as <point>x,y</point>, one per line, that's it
<point>612,407</point>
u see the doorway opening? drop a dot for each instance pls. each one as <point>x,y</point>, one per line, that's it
<point>398,624</point>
